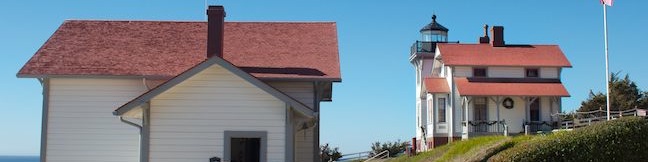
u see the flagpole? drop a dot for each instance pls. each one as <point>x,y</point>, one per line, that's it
<point>607,67</point>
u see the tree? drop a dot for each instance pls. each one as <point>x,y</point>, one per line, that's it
<point>394,148</point>
<point>328,154</point>
<point>643,101</point>
<point>595,101</point>
<point>624,95</point>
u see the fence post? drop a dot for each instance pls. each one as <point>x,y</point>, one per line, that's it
<point>505,130</point>
<point>464,131</point>
<point>526,129</point>
<point>414,146</point>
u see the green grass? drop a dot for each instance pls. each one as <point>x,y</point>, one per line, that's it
<point>424,156</point>
<point>495,149</point>
<point>617,140</point>
<point>475,149</point>
<point>463,147</point>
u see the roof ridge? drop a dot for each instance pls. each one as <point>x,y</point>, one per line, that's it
<point>520,44</point>
<point>195,21</point>
<point>136,20</point>
<point>297,50</point>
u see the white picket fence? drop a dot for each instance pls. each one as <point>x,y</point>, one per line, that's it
<point>581,119</point>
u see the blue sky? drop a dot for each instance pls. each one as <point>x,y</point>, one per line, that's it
<point>375,101</point>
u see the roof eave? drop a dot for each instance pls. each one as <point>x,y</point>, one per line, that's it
<point>88,76</point>
<point>501,65</point>
<point>19,75</point>
<point>299,79</point>
<point>515,95</point>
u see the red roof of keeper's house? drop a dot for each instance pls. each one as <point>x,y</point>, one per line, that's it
<point>467,88</point>
<point>509,55</point>
<point>436,85</point>
<point>267,50</point>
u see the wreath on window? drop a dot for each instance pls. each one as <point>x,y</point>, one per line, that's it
<point>508,103</point>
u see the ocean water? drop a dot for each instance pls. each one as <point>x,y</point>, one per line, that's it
<point>19,158</point>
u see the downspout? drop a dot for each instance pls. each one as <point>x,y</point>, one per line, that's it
<point>144,130</point>
<point>45,83</point>
<point>316,131</point>
<point>290,135</point>
<point>130,123</point>
<point>145,85</point>
<point>139,127</point>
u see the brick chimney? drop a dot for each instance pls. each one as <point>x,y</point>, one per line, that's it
<point>485,39</point>
<point>215,26</point>
<point>498,36</point>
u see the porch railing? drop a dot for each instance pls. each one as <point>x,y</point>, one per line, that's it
<point>483,126</point>
<point>581,119</point>
<point>423,46</point>
<point>536,126</point>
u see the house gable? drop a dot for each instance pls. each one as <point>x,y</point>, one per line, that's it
<point>214,61</point>
<point>190,120</point>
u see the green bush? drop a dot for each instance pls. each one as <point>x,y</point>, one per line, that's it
<point>618,140</point>
<point>328,154</point>
<point>394,148</point>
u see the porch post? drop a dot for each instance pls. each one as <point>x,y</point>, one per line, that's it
<point>526,108</point>
<point>450,118</point>
<point>558,100</point>
<point>497,101</point>
<point>464,132</point>
<point>433,118</point>
<point>551,108</point>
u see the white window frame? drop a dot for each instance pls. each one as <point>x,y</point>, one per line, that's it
<point>445,109</point>
<point>485,72</point>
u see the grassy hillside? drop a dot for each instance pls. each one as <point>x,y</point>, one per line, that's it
<point>618,140</point>
<point>474,149</point>
<point>623,139</point>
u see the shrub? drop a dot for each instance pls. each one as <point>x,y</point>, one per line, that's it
<point>618,140</point>
<point>394,148</point>
<point>328,154</point>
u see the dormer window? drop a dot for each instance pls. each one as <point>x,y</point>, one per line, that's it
<point>532,73</point>
<point>479,72</point>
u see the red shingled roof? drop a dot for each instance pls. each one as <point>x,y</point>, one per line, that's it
<point>510,55</point>
<point>467,88</point>
<point>436,85</point>
<point>267,50</point>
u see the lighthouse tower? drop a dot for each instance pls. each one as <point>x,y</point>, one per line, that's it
<point>422,58</point>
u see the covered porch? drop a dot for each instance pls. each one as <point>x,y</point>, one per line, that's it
<point>508,108</point>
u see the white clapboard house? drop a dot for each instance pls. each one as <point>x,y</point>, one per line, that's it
<point>471,89</point>
<point>184,91</point>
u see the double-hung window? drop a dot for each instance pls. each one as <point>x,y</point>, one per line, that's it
<point>479,72</point>
<point>441,114</point>
<point>532,73</point>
